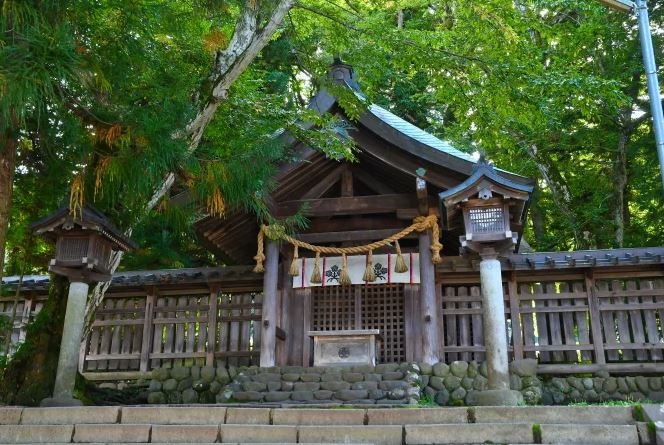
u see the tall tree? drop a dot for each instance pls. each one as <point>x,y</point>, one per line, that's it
<point>113,88</point>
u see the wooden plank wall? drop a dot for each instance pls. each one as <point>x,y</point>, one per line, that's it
<point>369,306</point>
<point>19,312</point>
<point>462,321</point>
<point>202,326</point>
<point>562,318</point>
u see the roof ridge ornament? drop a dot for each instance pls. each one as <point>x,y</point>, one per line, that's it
<point>343,73</point>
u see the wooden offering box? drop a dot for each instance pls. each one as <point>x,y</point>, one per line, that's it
<point>345,347</point>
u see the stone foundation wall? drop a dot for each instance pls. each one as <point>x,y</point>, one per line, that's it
<point>388,384</point>
<point>453,384</point>
<point>457,383</point>
<point>565,390</point>
<point>384,384</point>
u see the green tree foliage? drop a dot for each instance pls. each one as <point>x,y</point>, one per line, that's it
<point>550,89</point>
<point>107,97</point>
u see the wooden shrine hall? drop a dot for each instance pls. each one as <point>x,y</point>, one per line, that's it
<point>393,187</point>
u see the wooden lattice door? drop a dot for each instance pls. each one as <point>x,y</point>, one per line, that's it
<point>369,306</point>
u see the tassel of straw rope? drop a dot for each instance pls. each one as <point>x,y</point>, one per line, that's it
<point>369,273</point>
<point>436,246</point>
<point>76,197</point>
<point>260,256</point>
<point>295,264</point>
<point>316,276</point>
<point>344,278</point>
<point>400,265</point>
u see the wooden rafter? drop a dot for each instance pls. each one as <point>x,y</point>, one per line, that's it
<point>348,205</point>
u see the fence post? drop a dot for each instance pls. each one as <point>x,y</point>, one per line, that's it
<point>517,339</point>
<point>595,319</point>
<point>148,328</point>
<point>211,344</point>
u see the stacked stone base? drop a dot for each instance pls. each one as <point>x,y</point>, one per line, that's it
<point>573,389</point>
<point>387,384</point>
<point>456,384</point>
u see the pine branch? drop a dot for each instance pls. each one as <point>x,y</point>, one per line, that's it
<point>247,41</point>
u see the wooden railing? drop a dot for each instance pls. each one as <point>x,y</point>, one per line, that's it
<point>206,327</point>
<point>571,321</point>
<point>571,318</point>
<point>19,311</point>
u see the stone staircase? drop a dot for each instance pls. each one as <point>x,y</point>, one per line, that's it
<point>312,425</point>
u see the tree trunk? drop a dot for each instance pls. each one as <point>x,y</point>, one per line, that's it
<point>8,146</point>
<point>619,188</point>
<point>30,375</point>
<point>560,194</point>
<point>247,41</point>
<point>29,378</point>
<point>537,218</point>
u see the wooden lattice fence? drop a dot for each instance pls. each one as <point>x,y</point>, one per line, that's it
<point>19,312</point>
<point>138,333</point>
<point>565,320</point>
<point>363,307</point>
<point>570,320</point>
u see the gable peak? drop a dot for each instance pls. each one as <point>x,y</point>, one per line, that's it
<point>343,73</point>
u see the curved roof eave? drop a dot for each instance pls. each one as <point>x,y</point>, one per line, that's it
<point>486,171</point>
<point>422,144</point>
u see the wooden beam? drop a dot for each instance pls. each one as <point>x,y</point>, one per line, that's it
<point>355,235</point>
<point>346,182</point>
<point>409,214</point>
<point>422,197</point>
<point>345,224</point>
<point>374,184</point>
<point>348,205</point>
<point>325,183</point>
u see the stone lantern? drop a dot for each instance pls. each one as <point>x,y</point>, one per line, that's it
<point>84,245</point>
<point>491,211</point>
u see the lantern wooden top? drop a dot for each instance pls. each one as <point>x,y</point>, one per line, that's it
<point>84,243</point>
<point>491,208</point>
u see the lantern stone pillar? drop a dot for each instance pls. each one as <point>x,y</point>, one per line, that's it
<point>70,346</point>
<point>495,336</point>
<point>493,208</point>
<point>493,314</point>
<point>84,245</point>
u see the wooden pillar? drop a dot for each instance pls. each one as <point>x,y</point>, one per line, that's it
<point>517,338</point>
<point>212,324</point>
<point>428,306</point>
<point>428,309</point>
<point>148,328</point>
<point>595,318</point>
<point>270,302</point>
<point>285,346</point>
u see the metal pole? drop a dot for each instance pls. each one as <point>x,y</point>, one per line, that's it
<point>653,84</point>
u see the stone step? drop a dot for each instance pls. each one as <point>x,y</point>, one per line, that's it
<point>236,425</point>
<point>605,415</point>
<point>216,415</point>
<point>587,434</point>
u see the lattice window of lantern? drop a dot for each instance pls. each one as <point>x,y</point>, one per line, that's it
<point>486,220</point>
